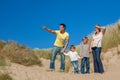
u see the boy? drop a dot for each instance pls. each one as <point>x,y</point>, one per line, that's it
<point>84,52</point>
<point>73,57</point>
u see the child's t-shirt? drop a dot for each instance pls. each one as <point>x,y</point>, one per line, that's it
<point>73,55</point>
<point>84,50</point>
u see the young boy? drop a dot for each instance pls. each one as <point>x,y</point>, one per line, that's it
<point>73,57</point>
<point>84,52</point>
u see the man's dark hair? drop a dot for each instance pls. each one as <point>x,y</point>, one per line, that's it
<point>63,25</point>
<point>97,25</point>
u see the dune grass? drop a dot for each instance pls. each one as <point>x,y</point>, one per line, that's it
<point>18,54</point>
<point>45,53</point>
<point>112,36</point>
<point>68,64</point>
<point>5,76</point>
<point>3,61</point>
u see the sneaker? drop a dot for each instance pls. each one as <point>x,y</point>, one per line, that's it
<point>61,70</point>
<point>87,72</point>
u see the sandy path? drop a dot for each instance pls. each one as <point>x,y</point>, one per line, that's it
<point>20,72</point>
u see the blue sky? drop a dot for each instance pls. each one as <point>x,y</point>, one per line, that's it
<point>21,20</point>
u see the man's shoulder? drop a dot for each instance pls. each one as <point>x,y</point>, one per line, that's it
<point>57,30</point>
<point>67,33</point>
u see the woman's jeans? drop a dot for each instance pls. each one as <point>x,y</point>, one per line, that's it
<point>85,61</point>
<point>75,65</point>
<point>98,66</point>
<point>57,50</point>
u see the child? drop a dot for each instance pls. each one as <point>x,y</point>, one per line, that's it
<point>74,58</point>
<point>84,52</point>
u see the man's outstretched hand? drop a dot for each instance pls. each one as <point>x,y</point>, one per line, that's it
<point>49,30</point>
<point>44,27</point>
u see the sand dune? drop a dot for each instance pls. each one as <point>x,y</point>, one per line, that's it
<point>111,61</point>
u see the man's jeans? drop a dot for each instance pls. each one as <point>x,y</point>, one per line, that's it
<point>85,61</point>
<point>75,65</point>
<point>57,50</point>
<point>98,66</point>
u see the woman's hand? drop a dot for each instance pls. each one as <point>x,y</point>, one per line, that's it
<point>103,30</point>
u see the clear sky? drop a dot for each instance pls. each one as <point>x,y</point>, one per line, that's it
<point>21,20</point>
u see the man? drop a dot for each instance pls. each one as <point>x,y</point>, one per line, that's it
<point>59,46</point>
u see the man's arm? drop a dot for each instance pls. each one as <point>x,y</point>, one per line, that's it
<point>66,44</point>
<point>49,30</point>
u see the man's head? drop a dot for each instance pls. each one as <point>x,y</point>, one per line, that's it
<point>85,40</point>
<point>62,27</point>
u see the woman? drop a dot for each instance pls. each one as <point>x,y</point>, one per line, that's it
<point>96,48</point>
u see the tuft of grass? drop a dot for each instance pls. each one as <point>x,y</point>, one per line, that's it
<point>19,54</point>
<point>112,37</point>
<point>5,76</point>
<point>68,65</point>
<point>2,44</point>
<point>118,48</point>
<point>45,53</point>
<point>3,62</point>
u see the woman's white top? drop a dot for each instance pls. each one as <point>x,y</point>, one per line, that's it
<point>97,40</point>
<point>73,55</point>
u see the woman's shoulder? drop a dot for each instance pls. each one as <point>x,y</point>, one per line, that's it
<point>98,34</point>
<point>101,33</point>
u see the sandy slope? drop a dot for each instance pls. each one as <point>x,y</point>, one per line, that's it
<point>20,72</point>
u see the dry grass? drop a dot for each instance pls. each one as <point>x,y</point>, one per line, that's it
<point>18,54</point>
<point>3,61</point>
<point>45,53</point>
<point>5,76</point>
<point>68,65</point>
<point>112,36</point>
